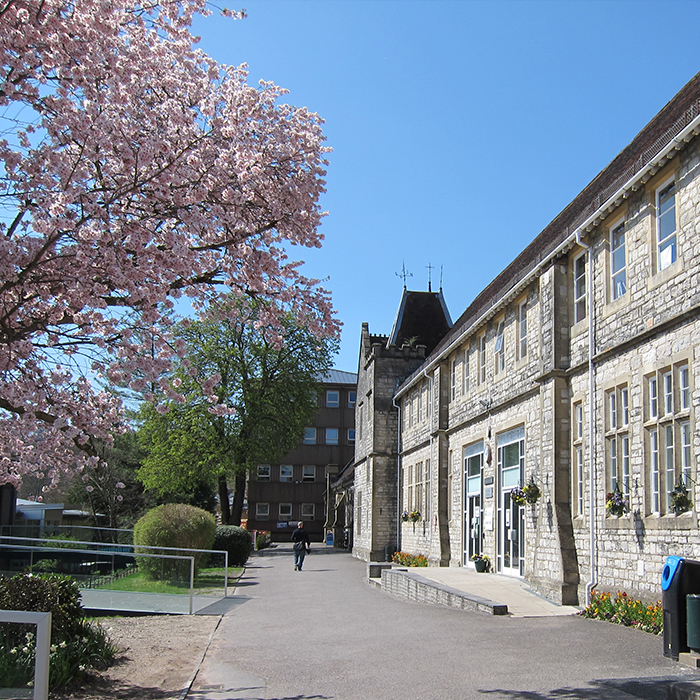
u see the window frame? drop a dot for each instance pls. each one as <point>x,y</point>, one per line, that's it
<point>259,508</point>
<point>618,276</point>
<point>332,398</point>
<point>672,237</point>
<point>309,436</point>
<point>499,348</point>
<point>306,477</point>
<point>305,516</point>
<point>285,516</point>
<point>332,441</point>
<point>286,473</point>
<point>522,330</point>
<point>262,468</point>
<point>580,282</point>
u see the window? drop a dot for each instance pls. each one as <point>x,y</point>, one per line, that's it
<point>262,511</point>
<point>465,372</point>
<point>580,288</point>
<point>618,440</point>
<point>666,225</point>
<point>420,404</point>
<point>331,436</point>
<point>285,511</point>
<point>577,461</point>
<point>499,348</point>
<point>309,436</point>
<point>668,434</point>
<point>522,330</point>
<point>308,511</point>
<point>308,473</point>
<point>351,435</point>
<point>286,472</point>
<point>264,472</point>
<point>482,358</point>
<point>332,398</point>
<point>352,398</point>
<point>578,464</point>
<point>578,421</point>
<point>361,418</point>
<point>453,378</point>
<point>618,263</point>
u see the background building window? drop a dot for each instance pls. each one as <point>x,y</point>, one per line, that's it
<point>286,472</point>
<point>482,358</point>
<point>352,398</point>
<point>331,436</point>
<point>351,435</point>
<point>666,225</point>
<point>308,511</point>
<point>285,511</point>
<point>264,472</point>
<point>262,511</point>
<point>453,378</point>
<point>332,398</point>
<point>309,473</point>
<point>309,436</point>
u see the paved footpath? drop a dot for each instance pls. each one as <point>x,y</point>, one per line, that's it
<point>325,633</point>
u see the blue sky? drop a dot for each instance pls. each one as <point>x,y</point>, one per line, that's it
<point>459,128</point>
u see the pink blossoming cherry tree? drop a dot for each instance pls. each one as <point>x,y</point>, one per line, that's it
<point>136,170</point>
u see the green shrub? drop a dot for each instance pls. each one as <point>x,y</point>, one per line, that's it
<point>76,644</point>
<point>173,525</point>
<point>237,541</point>
<point>263,539</point>
<point>406,559</point>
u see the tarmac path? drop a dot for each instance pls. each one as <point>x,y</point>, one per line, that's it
<point>325,633</point>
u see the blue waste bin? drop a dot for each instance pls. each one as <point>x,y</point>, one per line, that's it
<point>679,578</point>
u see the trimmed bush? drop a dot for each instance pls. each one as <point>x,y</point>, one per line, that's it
<point>173,525</point>
<point>76,644</point>
<point>263,539</point>
<point>237,541</point>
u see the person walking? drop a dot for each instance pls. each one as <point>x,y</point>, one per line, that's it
<point>302,545</point>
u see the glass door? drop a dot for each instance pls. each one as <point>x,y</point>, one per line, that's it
<point>511,467</point>
<point>473,535</point>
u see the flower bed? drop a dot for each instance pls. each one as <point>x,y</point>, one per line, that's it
<point>622,610</point>
<point>406,559</point>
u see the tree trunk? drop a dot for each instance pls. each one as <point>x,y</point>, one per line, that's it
<point>223,501</point>
<point>238,496</point>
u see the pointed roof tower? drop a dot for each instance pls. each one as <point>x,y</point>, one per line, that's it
<point>422,319</point>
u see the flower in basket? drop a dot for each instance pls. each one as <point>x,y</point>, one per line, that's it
<point>680,501</point>
<point>414,516</point>
<point>482,563</point>
<point>517,495</point>
<point>404,516</point>
<point>615,503</point>
<point>532,492</point>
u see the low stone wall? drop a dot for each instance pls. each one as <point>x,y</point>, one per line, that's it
<point>406,585</point>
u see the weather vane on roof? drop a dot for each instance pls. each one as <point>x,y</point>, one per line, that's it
<point>404,273</point>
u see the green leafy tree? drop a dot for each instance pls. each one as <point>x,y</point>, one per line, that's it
<point>263,380</point>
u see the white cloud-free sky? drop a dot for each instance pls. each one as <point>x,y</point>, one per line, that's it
<point>459,128</point>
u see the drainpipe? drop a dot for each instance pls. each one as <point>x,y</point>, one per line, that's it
<point>399,499</point>
<point>593,582</point>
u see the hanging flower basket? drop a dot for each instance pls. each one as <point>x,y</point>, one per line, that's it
<point>680,500</point>
<point>615,503</point>
<point>527,495</point>
<point>404,516</point>
<point>414,516</point>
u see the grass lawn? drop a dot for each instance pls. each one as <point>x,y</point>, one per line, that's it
<point>206,581</point>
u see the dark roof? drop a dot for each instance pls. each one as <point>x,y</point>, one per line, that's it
<point>675,115</point>
<point>337,376</point>
<point>422,319</point>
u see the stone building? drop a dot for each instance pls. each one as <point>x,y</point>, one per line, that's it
<point>576,369</point>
